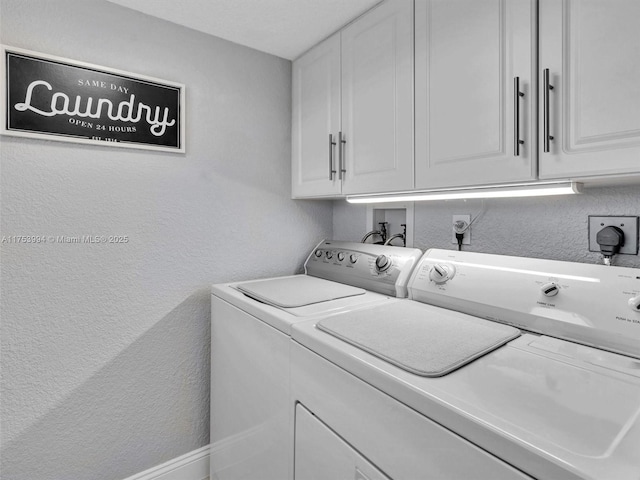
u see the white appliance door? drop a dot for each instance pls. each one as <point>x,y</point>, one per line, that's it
<point>250,435</point>
<point>320,454</point>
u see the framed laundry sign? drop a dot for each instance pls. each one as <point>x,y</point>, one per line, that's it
<point>59,99</point>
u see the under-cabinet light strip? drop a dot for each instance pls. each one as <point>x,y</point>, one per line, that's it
<point>494,191</point>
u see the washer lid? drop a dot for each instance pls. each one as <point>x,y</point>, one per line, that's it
<point>418,338</point>
<point>298,291</point>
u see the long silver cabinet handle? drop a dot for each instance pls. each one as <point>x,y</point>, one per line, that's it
<point>341,142</point>
<point>516,116</point>
<point>546,114</point>
<point>331,145</point>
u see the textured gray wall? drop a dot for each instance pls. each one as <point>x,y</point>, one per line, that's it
<point>105,348</point>
<point>544,227</point>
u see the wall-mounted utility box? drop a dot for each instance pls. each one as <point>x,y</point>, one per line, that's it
<point>628,224</point>
<point>395,214</point>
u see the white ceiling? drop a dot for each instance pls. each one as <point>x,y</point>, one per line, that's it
<point>285,28</point>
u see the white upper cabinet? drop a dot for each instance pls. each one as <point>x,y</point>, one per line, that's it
<point>353,107</point>
<point>377,99</point>
<point>505,91</point>
<point>316,120</point>
<point>472,126</point>
<point>591,51</point>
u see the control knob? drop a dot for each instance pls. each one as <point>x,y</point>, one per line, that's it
<point>353,258</point>
<point>634,303</point>
<point>329,254</point>
<point>441,273</point>
<point>383,263</point>
<point>550,289</point>
<point>318,253</point>
<point>340,256</point>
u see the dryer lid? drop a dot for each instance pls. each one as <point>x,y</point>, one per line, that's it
<point>297,291</point>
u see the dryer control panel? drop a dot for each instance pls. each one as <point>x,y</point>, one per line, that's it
<point>595,305</point>
<point>378,268</point>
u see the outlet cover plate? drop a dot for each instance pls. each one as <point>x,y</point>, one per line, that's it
<point>466,239</point>
<point>628,224</point>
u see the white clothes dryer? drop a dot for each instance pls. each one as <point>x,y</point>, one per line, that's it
<point>251,418</point>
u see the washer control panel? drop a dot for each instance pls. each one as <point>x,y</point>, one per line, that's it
<point>596,305</point>
<point>379,268</point>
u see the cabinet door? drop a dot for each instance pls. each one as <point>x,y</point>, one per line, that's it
<point>377,99</point>
<point>592,51</point>
<point>316,115</point>
<point>468,53</point>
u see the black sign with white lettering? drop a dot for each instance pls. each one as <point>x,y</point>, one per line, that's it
<point>59,99</point>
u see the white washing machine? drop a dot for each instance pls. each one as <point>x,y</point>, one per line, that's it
<point>496,368</point>
<point>251,418</point>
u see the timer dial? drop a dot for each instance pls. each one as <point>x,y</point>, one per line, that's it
<point>383,263</point>
<point>441,273</point>
<point>634,303</point>
<point>550,289</point>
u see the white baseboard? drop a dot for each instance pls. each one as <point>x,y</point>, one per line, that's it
<point>190,466</point>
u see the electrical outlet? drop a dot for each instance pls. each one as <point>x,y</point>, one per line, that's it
<point>466,239</point>
<point>629,225</point>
